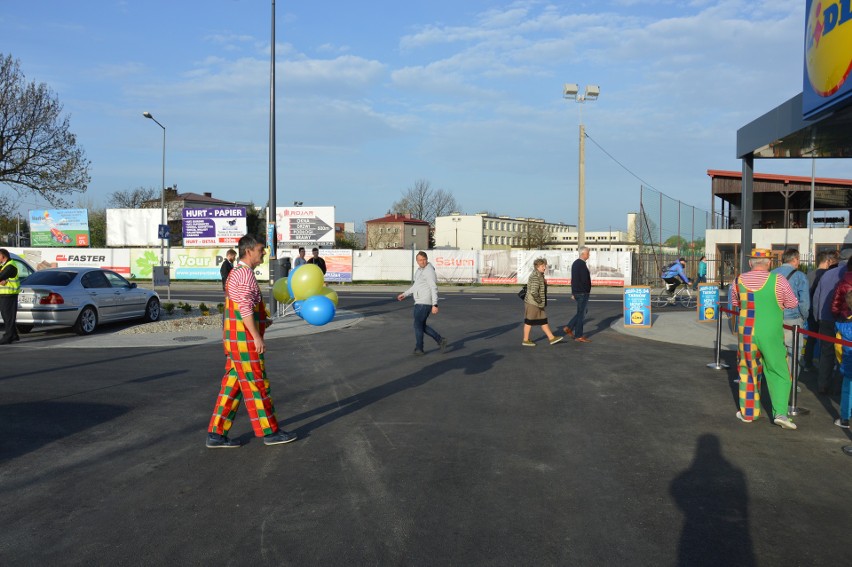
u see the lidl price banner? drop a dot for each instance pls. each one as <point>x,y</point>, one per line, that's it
<point>637,306</point>
<point>708,302</point>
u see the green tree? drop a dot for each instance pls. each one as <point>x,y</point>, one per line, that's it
<point>38,153</point>
<point>97,222</point>
<point>256,221</point>
<point>346,240</point>
<point>676,242</point>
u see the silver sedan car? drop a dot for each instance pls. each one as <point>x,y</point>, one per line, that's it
<point>82,298</point>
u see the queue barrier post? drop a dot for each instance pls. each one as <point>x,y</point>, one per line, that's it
<point>794,409</point>
<point>718,365</point>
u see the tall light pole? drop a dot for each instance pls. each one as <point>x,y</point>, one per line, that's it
<point>163,185</point>
<point>456,220</point>
<point>272,216</point>
<point>572,91</point>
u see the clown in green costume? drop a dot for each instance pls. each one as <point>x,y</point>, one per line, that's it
<point>762,296</point>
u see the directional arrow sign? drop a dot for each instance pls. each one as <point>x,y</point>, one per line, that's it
<point>307,228</point>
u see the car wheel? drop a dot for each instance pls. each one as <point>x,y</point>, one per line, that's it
<point>152,310</point>
<point>24,329</point>
<point>86,322</point>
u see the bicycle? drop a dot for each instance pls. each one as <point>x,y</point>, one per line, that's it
<point>682,296</point>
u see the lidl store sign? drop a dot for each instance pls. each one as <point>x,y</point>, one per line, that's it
<point>828,56</point>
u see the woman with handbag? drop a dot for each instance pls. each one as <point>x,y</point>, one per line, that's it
<point>535,301</point>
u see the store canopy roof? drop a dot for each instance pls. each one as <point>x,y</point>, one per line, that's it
<point>783,133</point>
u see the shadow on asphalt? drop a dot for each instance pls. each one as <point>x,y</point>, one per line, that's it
<point>475,363</point>
<point>484,334</point>
<point>713,496</point>
<point>29,426</point>
<point>96,362</point>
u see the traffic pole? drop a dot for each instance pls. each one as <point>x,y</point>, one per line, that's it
<point>718,365</point>
<point>794,390</point>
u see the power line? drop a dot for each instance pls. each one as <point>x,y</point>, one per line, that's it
<point>624,167</point>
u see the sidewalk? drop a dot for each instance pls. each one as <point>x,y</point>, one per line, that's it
<point>681,327</point>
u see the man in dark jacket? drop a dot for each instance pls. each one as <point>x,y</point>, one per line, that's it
<point>227,265</point>
<point>315,259</point>
<point>581,287</point>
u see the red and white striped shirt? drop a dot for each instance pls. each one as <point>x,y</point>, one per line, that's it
<point>243,289</point>
<point>755,279</point>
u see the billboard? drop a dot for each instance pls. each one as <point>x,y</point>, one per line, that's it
<point>59,227</point>
<point>828,57</point>
<point>133,227</point>
<point>305,226</point>
<point>213,226</point>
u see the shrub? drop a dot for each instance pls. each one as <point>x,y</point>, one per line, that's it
<point>221,307</point>
<point>204,309</point>
<point>169,307</point>
<point>186,308</point>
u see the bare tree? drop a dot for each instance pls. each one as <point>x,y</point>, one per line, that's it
<point>133,198</point>
<point>425,203</point>
<point>533,235</point>
<point>38,154</point>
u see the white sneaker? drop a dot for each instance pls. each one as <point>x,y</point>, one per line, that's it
<point>784,422</point>
<point>742,418</point>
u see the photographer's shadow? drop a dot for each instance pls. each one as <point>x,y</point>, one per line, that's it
<point>713,496</point>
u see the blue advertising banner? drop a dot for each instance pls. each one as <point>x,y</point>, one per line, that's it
<point>708,302</point>
<point>637,306</point>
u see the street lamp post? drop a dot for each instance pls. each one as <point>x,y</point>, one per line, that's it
<point>163,185</point>
<point>572,91</point>
<point>456,220</point>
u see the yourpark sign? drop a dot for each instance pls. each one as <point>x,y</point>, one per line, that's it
<point>828,56</point>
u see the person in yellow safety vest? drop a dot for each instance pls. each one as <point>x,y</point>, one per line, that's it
<point>10,286</point>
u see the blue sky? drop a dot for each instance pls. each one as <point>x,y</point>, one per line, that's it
<point>373,96</point>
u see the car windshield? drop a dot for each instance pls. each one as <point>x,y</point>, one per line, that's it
<point>57,278</point>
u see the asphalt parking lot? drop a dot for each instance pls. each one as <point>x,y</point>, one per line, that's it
<point>621,451</point>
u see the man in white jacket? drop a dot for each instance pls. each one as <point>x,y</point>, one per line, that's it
<point>425,292</point>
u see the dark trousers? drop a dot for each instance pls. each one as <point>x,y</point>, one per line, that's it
<point>576,323</point>
<point>9,312</point>
<point>671,284</point>
<point>825,376</point>
<point>810,342</point>
<point>421,313</point>
<point>698,280</point>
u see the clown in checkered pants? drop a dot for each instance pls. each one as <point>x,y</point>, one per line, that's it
<point>761,297</point>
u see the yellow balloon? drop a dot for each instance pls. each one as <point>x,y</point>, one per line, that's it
<point>329,293</point>
<point>307,281</point>
<point>279,291</point>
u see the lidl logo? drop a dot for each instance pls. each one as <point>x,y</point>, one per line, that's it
<point>828,45</point>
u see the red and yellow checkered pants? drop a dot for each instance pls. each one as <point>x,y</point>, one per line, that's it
<point>245,377</point>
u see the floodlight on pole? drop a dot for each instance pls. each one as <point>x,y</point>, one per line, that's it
<point>163,184</point>
<point>571,91</point>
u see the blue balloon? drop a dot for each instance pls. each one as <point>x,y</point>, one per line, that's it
<point>318,310</point>
<point>297,308</point>
<point>290,280</point>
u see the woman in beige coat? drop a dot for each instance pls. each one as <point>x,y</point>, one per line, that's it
<point>534,303</point>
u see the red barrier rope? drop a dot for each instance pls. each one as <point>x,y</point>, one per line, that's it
<point>802,331</point>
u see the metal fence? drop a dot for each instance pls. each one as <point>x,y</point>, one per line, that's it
<point>721,268</point>
<point>668,229</point>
